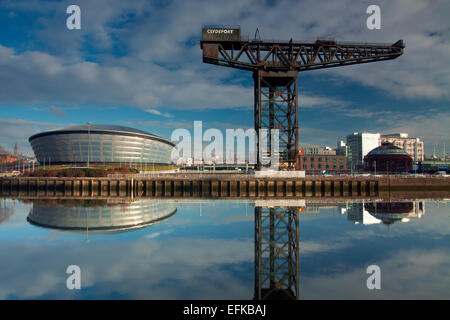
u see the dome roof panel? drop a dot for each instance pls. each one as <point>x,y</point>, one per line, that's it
<point>387,148</point>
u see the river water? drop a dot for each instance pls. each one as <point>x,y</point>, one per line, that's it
<point>223,249</point>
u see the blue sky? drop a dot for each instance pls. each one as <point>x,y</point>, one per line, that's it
<point>139,64</point>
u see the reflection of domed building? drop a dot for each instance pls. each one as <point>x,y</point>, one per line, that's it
<point>390,212</point>
<point>100,219</point>
<point>388,158</point>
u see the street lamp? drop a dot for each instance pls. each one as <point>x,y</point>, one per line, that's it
<point>89,142</point>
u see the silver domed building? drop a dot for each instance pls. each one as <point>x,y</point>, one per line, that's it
<point>95,143</point>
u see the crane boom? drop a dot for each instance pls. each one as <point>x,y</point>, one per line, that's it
<point>299,56</point>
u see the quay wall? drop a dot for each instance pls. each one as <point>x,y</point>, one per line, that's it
<point>223,186</point>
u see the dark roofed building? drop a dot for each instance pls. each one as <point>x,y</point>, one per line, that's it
<point>388,158</point>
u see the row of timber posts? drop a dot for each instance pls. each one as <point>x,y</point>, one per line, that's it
<point>176,187</point>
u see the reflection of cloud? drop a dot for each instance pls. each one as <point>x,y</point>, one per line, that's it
<point>157,234</point>
<point>20,212</point>
<point>414,274</point>
<point>312,247</point>
<point>143,269</point>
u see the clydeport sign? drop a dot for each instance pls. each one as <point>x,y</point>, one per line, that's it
<point>221,34</point>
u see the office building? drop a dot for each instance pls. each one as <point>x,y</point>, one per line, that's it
<point>359,145</point>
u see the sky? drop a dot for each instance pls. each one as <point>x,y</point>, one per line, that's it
<point>139,64</point>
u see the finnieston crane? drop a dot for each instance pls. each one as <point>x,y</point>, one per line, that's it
<point>275,66</point>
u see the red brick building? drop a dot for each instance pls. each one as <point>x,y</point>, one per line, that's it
<point>321,162</point>
<point>388,158</point>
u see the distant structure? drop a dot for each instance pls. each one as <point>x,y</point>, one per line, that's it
<point>6,158</point>
<point>388,158</point>
<point>314,149</point>
<point>413,146</point>
<point>433,166</point>
<point>359,144</point>
<point>95,143</point>
<point>342,149</point>
<point>16,151</point>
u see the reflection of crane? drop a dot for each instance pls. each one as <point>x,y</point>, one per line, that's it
<point>276,253</point>
<point>275,66</point>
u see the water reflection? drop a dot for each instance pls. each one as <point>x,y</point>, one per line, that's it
<point>276,251</point>
<point>99,216</point>
<point>385,212</point>
<point>6,209</point>
<point>217,250</point>
<point>277,246</point>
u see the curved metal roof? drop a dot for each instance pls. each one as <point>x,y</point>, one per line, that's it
<point>101,128</point>
<point>387,148</point>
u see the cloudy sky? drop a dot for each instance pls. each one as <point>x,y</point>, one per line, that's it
<point>138,63</point>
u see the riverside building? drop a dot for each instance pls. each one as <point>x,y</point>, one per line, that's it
<point>413,146</point>
<point>359,145</point>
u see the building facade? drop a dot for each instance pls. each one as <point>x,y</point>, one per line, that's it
<point>100,144</point>
<point>413,146</point>
<point>322,162</point>
<point>342,149</point>
<point>359,145</point>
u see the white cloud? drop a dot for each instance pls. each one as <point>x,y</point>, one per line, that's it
<point>38,78</point>
<point>412,274</point>
<point>163,68</point>
<point>139,269</point>
<point>19,130</point>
